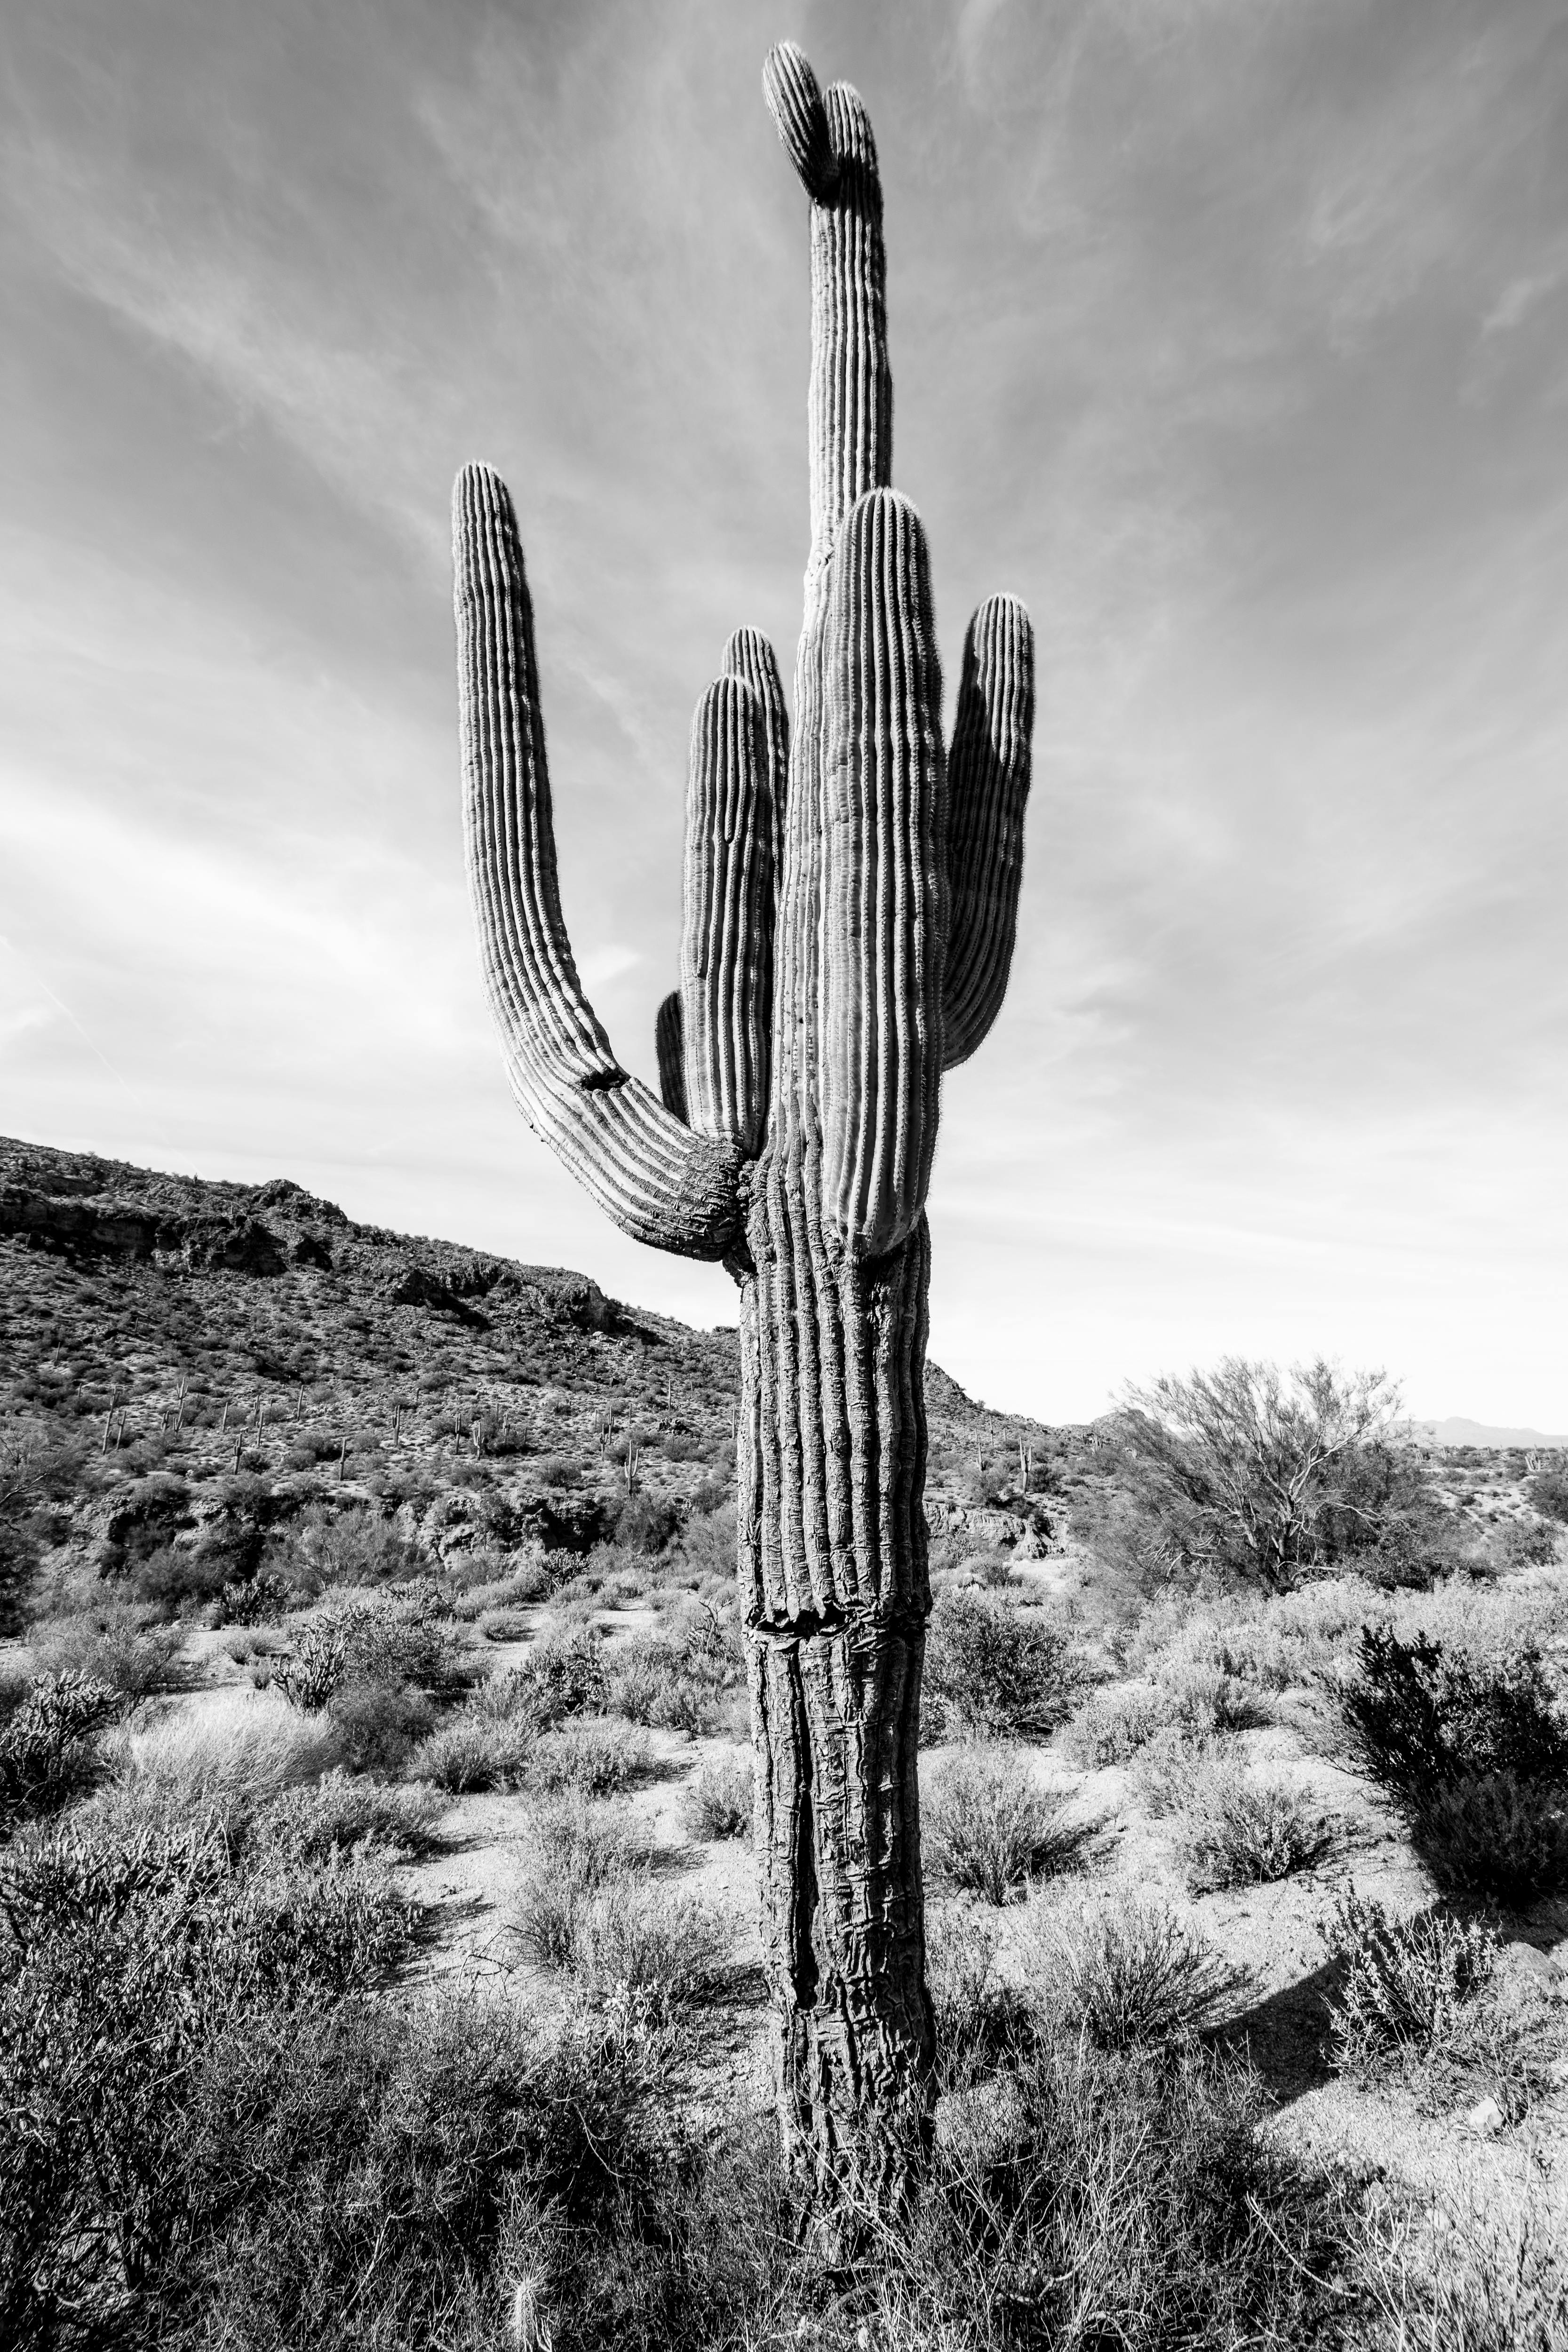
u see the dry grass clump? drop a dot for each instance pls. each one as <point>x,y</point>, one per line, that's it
<point>119,1642</point>
<point>1234,1826</point>
<point>1458,2275</point>
<point>472,1751</point>
<point>593,1754</point>
<point>717,1801</point>
<point>988,1828</point>
<point>589,1910</point>
<point>1112,1726</point>
<point>690,1677</point>
<point>221,1762</point>
<point>343,1815</point>
<point>1189,1701</point>
<point>1130,1973</point>
<point>1237,1827</point>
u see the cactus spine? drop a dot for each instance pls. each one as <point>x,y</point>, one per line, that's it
<point>851,902</point>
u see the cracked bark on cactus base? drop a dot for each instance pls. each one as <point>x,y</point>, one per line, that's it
<point>830,1472</point>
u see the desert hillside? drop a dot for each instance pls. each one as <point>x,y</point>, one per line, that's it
<point>378,1945</point>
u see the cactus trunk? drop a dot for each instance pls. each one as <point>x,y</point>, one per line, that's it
<point>830,1473</point>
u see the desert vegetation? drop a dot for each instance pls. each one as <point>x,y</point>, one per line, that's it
<point>378,1949</point>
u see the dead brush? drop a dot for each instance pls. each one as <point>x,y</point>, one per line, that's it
<point>1131,1973</point>
<point>990,1829</point>
<point>1242,1828</point>
<point>1405,1982</point>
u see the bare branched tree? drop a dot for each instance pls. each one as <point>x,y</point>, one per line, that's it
<point>1256,1451</point>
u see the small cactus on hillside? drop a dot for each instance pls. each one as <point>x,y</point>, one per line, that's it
<point>850,901</point>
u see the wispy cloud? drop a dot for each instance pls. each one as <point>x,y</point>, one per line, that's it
<point>1229,335</point>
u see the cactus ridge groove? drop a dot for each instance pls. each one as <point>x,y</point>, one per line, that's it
<point>849,915</point>
<point>669,1047</point>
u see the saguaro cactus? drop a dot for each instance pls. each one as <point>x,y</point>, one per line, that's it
<point>850,904</point>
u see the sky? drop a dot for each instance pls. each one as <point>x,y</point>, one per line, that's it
<point>1232,335</point>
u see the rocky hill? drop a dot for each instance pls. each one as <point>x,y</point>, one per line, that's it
<point>186,1349</point>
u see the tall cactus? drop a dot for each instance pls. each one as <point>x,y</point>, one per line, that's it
<point>850,904</point>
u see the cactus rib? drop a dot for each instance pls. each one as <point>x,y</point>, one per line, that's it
<point>670,1050</point>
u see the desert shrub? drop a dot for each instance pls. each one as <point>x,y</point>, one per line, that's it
<point>177,1577</point>
<point>560,1677</point>
<point>992,1673</point>
<point>591,1755</point>
<point>113,1642</point>
<point>1466,2273</point>
<point>980,2018</point>
<point>718,1798</point>
<point>50,1744</point>
<point>1520,1543</point>
<point>1474,1756</point>
<point>680,1680</point>
<point>987,1828</point>
<point>513,1588</point>
<point>260,1600</point>
<point>630,1943</point>
<point>1549,1493</point>
<point>472,1751</point>
<point>1495,1835</point>
<point>643,1522</point>
<point>121,1962</point>
<point>357,2173</point>
<point>220,1764</point>
<point>1403,1982</point>
<point>390,1639</point>
<point>1104,2200</point>
<point>1112,1726</point>
<point>1132,1973</point>
<point>1202,1699</point>
<point>707,1541</point>
<point>340,1814</point>
<point>357,1547</point>
<point>1189,1702</point>
<point>379,1724</point>
<point>1236,1827</point>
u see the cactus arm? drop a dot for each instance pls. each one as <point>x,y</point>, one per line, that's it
<point>658,1182</point>
<point>828,137</point>
<point>668,1045</point>
<point>988,786</point>
<point>884,914</point>
<point>749,656</point>
<point>727,937</point>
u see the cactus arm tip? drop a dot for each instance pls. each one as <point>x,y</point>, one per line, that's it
<point>988,791</point>
<point>795,102</point>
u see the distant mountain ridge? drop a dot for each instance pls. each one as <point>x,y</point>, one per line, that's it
<point>1458,1430</point>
